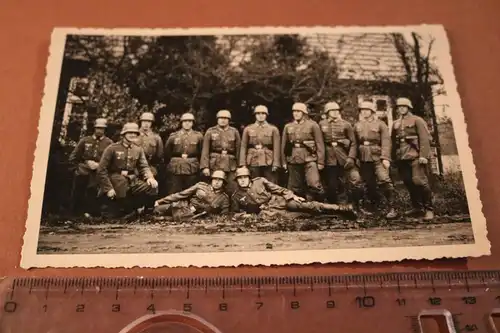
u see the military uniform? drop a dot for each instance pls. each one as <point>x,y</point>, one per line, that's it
<point>182,153</point>
<point>124,167</point>
<point>340,144</point>
<point>221,152</point>
<point>411,141</point>
<point>302,149</point>
<point>265,195</point>
<point>152,144</point>
<point>199,198</point>
<point>260,150</point>
<point>89,148</point>
<point>374,145</point>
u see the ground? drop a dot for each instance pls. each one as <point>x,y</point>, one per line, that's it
<point>293,232</point>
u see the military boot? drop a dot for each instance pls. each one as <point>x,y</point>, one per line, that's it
<point>360,210</point>
<point>346,210</point>
<point>429,215</point>
<point>413,212</point>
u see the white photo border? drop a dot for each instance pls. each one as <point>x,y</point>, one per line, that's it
<point>30,258</point>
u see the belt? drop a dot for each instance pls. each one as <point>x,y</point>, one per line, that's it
<point>261,146</point>
<point>333,143</point>
<point>223,151</point>
<point>298,145</point>
<point>368,143</point>
<point>185,155</point>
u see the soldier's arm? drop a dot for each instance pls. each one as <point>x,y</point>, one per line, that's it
<point>160,150</point>
<point>349,132</point>
<point>205,151</point>
<point>320,143</point>
<point>102,170</point>
<point>278,190</point>
<point>224,205</point>
<point>394,141</point>
<point>385,141</point>
<point>283,145</point>
<point>235,205</point>
<point>182,195</point>
<point>200,145</point>
<point>424,138</point>
<point>243,150</point>
<point>276,147</point>
<point>168,149</point>
<point>143,165</point>
<point>76,155</point>
<point>237,142</point>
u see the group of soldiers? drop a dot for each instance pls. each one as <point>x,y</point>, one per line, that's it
<point>239,173</point>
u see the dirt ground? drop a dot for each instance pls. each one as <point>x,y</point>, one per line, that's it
<point>248,234</point>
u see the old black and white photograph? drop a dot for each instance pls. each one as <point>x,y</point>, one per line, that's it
<point>259,146</point>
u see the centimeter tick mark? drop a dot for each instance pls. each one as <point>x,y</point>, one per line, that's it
<point>47,291</point>
<point>11,295</point>
<point>188,289</point>
<point>433,286</point>
<point>329,289</point>
<point>223,290</point>
<point>294,289</point>
<point>399,287</point>
<point>258,290</point>
<point>467,284</point>
<point>364,285</point>
<point>312,285</point>
<point>415,282</point>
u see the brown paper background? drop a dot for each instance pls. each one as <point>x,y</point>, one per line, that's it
<point>25,28</point>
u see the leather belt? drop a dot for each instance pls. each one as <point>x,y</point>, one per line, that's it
<point>261,146</point>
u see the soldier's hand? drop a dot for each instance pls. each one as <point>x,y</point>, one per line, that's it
<point>423,160</point>
<point>285,166</point>
<point>111,193</point>
<point>206,172</point>
<point>152,182</point>
<point>157,203</point>
<point>386,164</point>
<point>274,169</point>
<point>299,199</point>
<point>349,163</point>
<point>321,166</point>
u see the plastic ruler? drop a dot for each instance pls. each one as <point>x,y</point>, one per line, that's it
<point>451,301</point>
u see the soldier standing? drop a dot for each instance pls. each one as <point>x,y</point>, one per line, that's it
<point>85,158</point>
<point>151,142</point>
<point>120,170</point>
<point>412,150</point>
<point>221,146</point>
<point>374,149</point>
<point>303,153</point>
<point>182,155</point>
<point>260,146</point>
<point>199,199</point>
<point>341,150</point>
<point>257,194</point>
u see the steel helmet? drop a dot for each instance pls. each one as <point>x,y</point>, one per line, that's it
<point>331,106</point>
<point>300,107</point>
<point>101,123</point>
<point>224,114</point>
<point>243,171</point>
<point>130,127</point>
<point>261,109</point>
<point>366,105</point>
<point>219,174</point>
<point>187,117</point>
<point>404,102</point>
<point>147,116</point>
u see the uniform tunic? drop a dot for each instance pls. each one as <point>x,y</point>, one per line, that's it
<point>260,146</point>
<point>89,148</point>
<point>201,197</point>
<point>119,167</point>
<point>183,152</point>
<point>152,144</point>
<point>220,149</point>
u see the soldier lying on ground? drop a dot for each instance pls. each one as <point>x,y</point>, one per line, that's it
<point>120,170</point>
<point>199,199</point>
<point>258,194</point>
